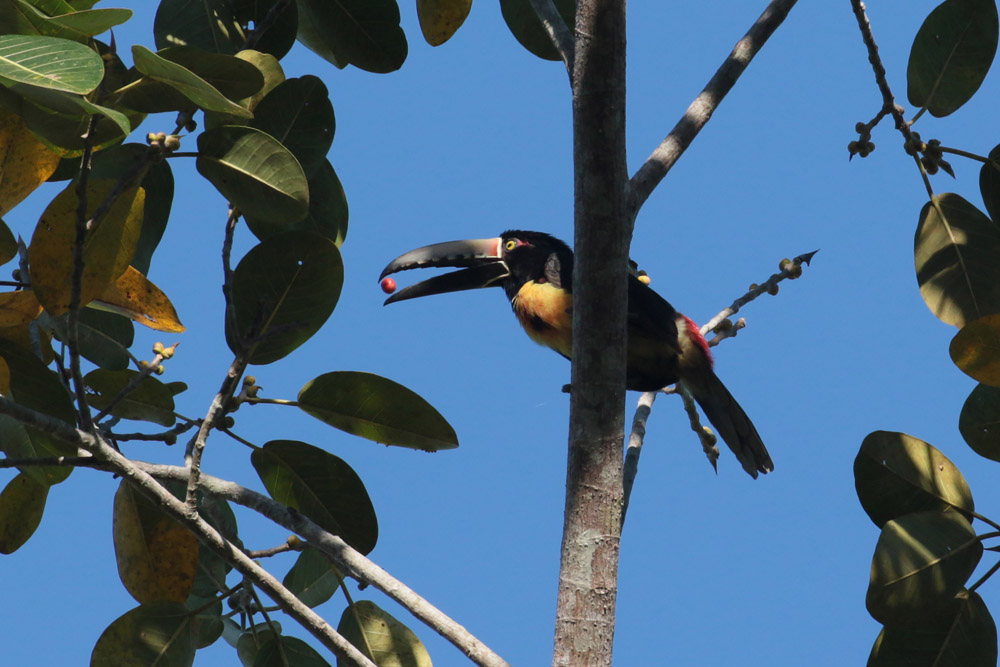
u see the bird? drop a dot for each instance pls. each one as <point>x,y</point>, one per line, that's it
<point>535,271</point>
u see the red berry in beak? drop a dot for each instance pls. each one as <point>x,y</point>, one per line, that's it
<point>388,285</point>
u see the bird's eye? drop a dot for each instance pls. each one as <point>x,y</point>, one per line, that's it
<point>510,244</point>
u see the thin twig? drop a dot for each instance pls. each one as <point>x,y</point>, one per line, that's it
<point>643,408</point>
<point>268,553</point>
<point>698,114</point>
<point>76,281</point>
<point>218,408</point>
<point>558,31</point>
<point>143,373</point>
<point>354,563</point>
<point>205,532</point>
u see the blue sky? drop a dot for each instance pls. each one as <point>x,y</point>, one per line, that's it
<point>473,138</point>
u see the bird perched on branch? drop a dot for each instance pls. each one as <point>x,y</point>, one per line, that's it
<point>536,272</point>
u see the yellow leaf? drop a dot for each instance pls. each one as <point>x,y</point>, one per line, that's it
<point>157,557</point>
<point>439,19</point>
<point>135,297</point>
<point>975,349</point>
<point>25,162</point>
<point>107,251</point>
<point>18,308</point>
<point>21,335</point>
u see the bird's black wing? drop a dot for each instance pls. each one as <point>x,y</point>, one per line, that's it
<point>650,315</point>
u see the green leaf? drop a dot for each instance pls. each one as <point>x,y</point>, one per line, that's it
<point>525,25</point>
<point>298,113</point>
<point>150,400</point>
<point>254,171</point>
<point>980,421</point>
<point>233,76</point>
<point>68,104</point>
<point>103,338</point>
<point>21,506</point>
<point>363,33</point>
<point>208,24</point>
<point>955,251</point>
<point>921,562</point>
<point>157,556</point>
<point>964,636</point>
<point>180,78</point>
<point>975,349</point>
<point>291,651</point>
<point>989,184</point>
<point>321,486</point>
<point>8,245</point>
<point>34,386</point>
<point>896,474</point>
<point>78,26</point>
<point>951,54</point>
<point>328,211</point>
<point>391,642</point>
<point>50,62</point>
<point>158,633</point>
<point>378,409</point>
<point>312,578</point>
<point>279,38</point>
<point>440,19</point>
<point>249,643</point>
<point>284,289</point>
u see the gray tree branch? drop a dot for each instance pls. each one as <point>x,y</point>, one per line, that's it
<point>700,112</point>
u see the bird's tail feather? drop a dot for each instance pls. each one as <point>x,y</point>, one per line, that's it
<point>731,422</point>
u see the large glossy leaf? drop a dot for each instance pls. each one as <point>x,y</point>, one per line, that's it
<point>234,77</point>
<point>158,184</point>
<point>21,506</point>
<point>284,289</point>
<point>292,651</point>
<point>377,409</point>
<point>135,297</point>
<point>328,212</point>
<point>527,28</point>
<point>159,633</point>
<point>963,636</point>
<point>209,24</point>
<point>298,113</point>
<point>50,62</point>
<point>69,105</point>
<point>103,338</point>
<point>157,556</point>
<point>150,400</point>
<point>25,162</point>
<point>33,385</point>
<point>249,643</point>
<point>8,245</point>
<point>955,251</point>
<point>896,474</point>
<point>312,578</point>
<point>321,486</point>
<point>980,421</point>
<point>62,131</point>
<point>989,184</point>
<point>107,248</point>
<point>254,172</point>
<point>279,38</point>
<point>201,93</point>
<point>440,19</point>
<point>79,26</point>
<point>921,562</point>
<point>976,349</point>
<point>951,54</point>
<point>391,642</point>
<point>363,33</point>
<point>18,308</point>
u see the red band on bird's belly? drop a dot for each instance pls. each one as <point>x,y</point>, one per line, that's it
<point>694,333</point>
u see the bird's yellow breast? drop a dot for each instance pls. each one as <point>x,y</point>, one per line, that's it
<point>544,311</point>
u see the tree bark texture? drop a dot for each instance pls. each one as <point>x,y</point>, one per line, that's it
<point>585,616</point>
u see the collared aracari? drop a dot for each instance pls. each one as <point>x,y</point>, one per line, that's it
<point>536,272</point>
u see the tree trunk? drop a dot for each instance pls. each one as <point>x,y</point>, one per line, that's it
<point>585,616</point>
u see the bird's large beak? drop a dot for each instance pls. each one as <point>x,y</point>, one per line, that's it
<point>482,259</point>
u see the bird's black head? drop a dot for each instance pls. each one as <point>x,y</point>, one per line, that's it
<point>535,256</point>
<point>509,260</point>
